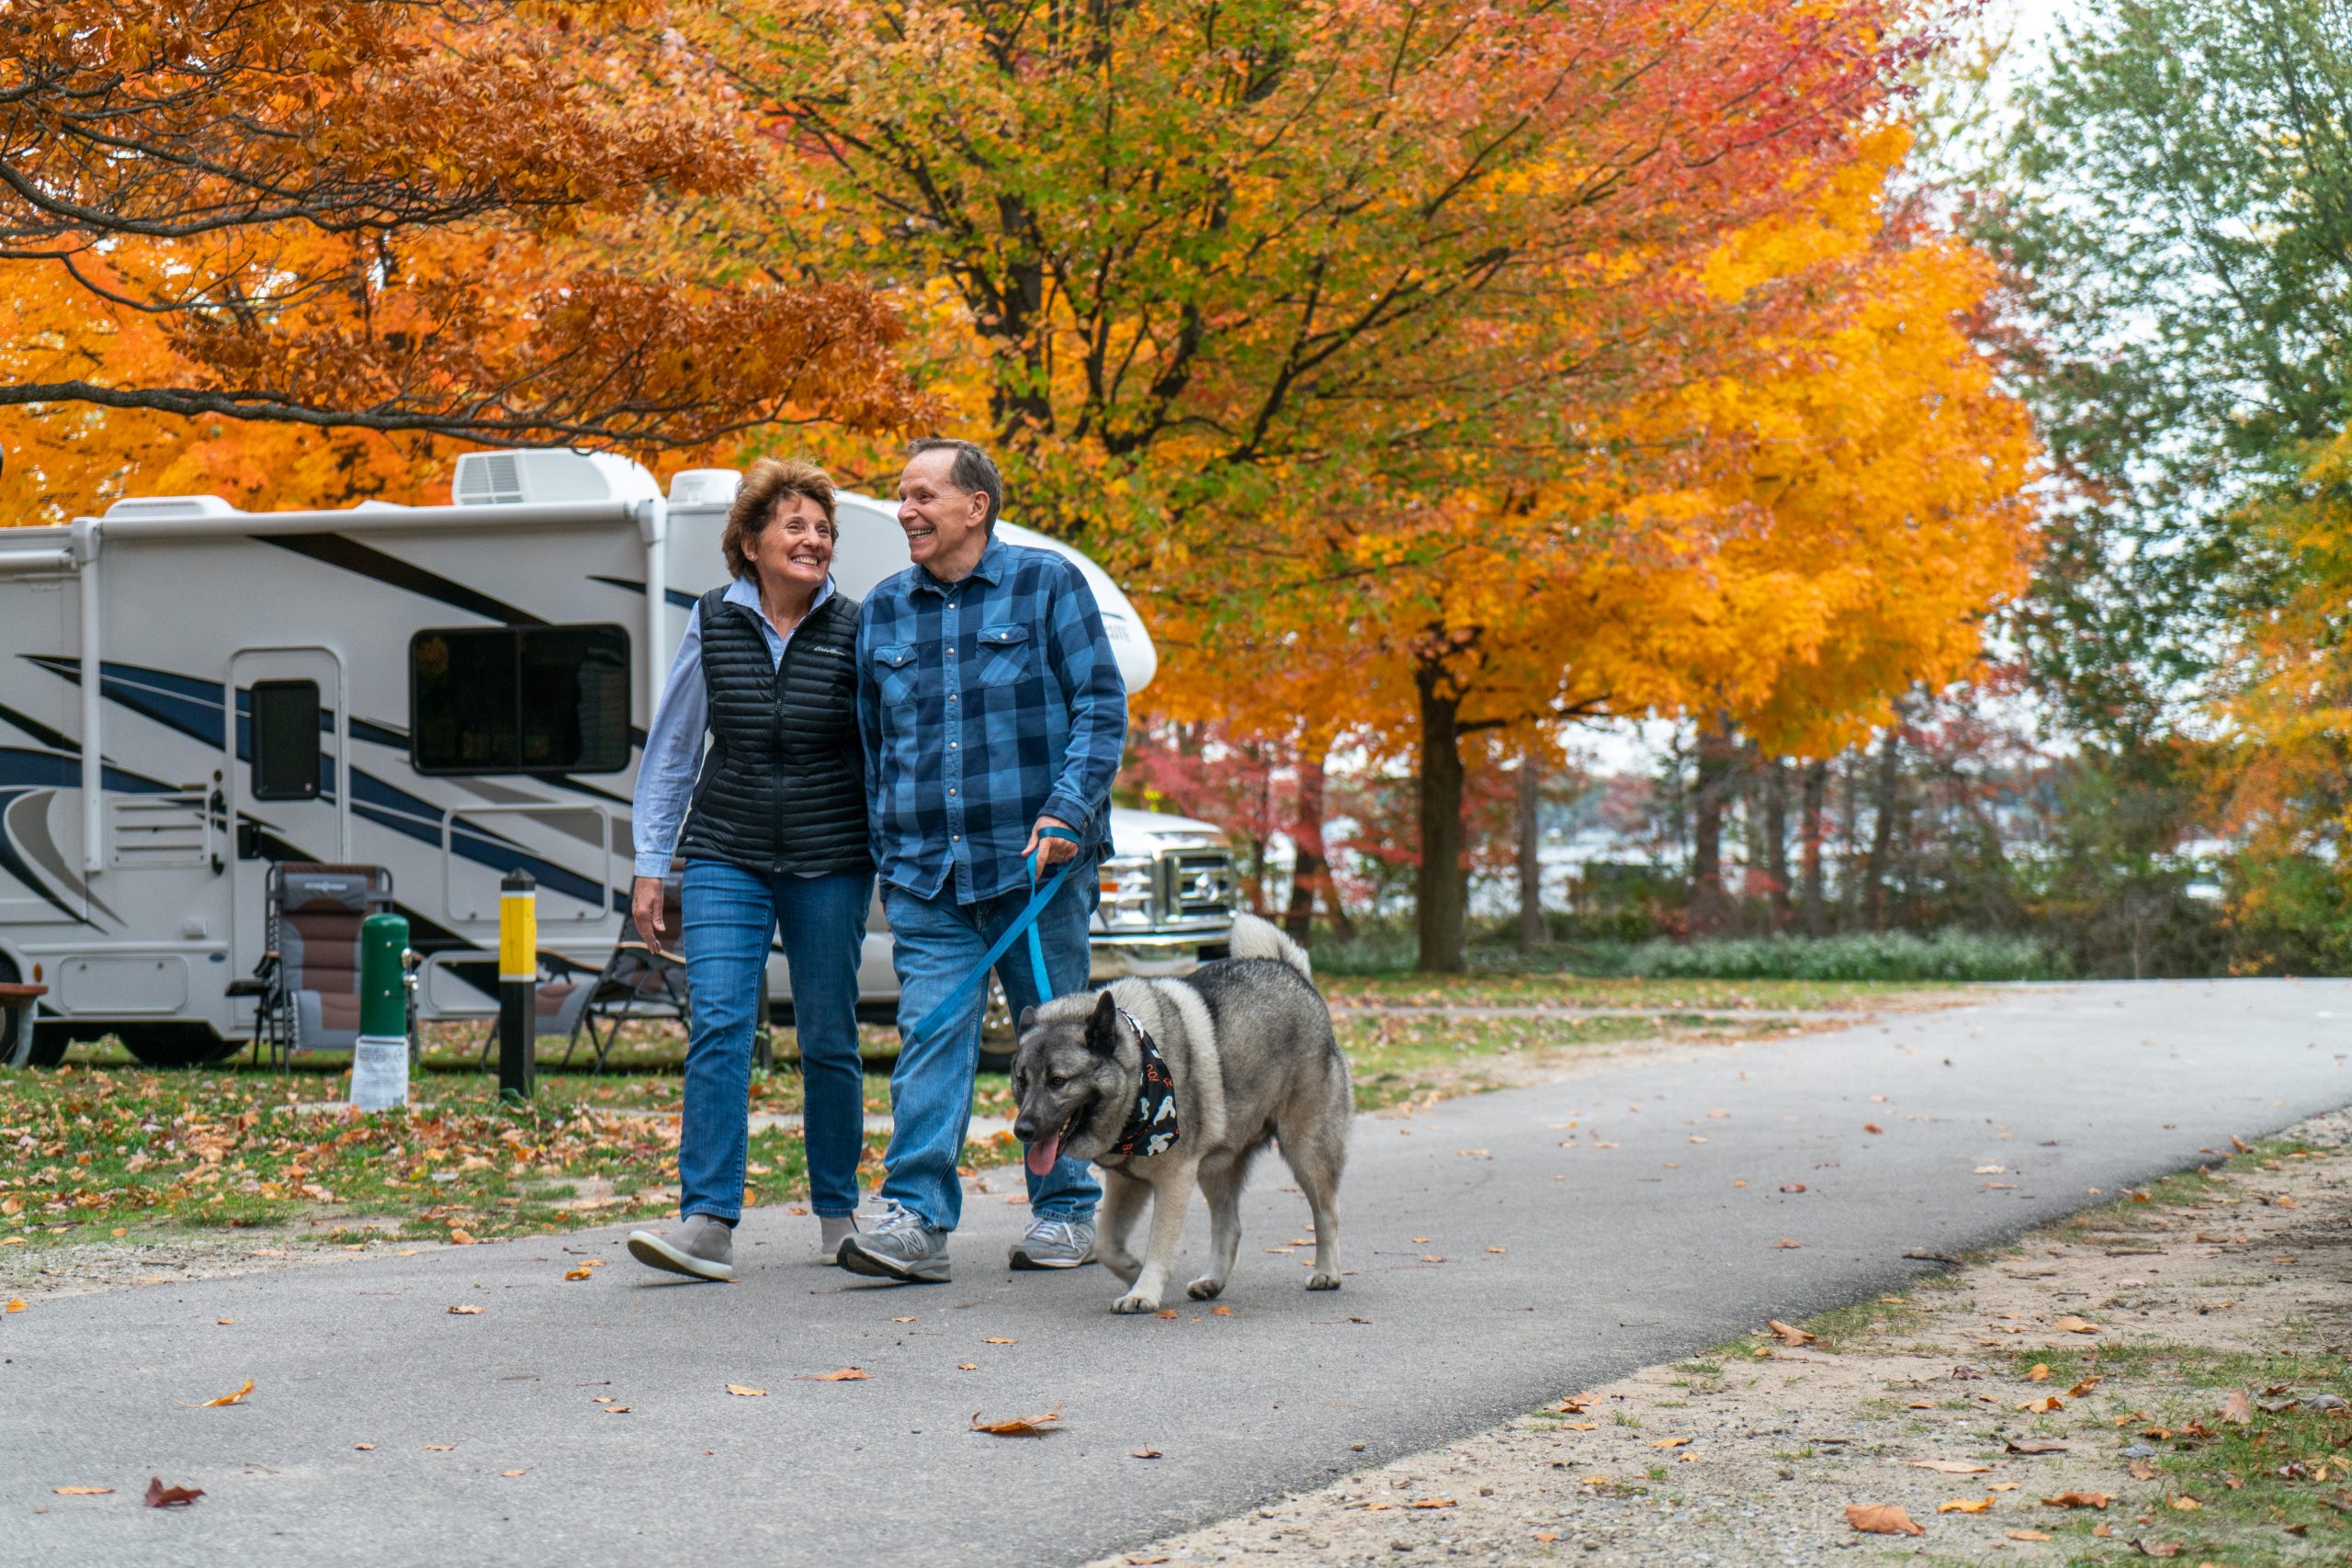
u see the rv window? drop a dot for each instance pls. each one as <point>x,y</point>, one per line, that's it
<point>519,700</point>
<point>286,740</point>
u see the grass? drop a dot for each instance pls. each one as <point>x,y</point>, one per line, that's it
<point>1575,991</point>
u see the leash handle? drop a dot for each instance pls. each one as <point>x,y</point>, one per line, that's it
<point>1036,945</point>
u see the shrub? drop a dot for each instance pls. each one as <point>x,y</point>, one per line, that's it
<point>1862,955</point>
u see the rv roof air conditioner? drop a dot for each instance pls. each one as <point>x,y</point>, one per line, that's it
<point>170,506</point>
<point>508,479</point>
<point>704,487</point>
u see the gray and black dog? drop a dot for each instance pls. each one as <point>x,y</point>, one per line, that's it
<point>1168,1084</point>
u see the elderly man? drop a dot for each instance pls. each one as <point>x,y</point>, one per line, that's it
<point>993,717</point>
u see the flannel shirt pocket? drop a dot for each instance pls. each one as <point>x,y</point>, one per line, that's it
<point>1005,655</point>
<point>898,669</point>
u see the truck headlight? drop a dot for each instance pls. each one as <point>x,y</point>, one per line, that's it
<point>1126,892</point>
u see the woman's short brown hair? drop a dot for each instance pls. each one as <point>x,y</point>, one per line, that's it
<point>766,485</point>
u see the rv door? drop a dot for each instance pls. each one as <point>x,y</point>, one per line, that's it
<point>287,777</point>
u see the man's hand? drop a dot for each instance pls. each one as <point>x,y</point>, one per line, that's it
<point>1050,853</point>
<point>645,907</point>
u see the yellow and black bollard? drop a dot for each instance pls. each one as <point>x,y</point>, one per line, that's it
<point>519,986</point>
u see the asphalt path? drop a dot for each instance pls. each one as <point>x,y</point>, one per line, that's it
<point>1585,1228</point>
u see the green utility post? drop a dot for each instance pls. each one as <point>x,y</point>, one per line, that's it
<point>518,985</point>
<point>379,1059</point>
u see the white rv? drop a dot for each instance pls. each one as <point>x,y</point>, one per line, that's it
<point>189,691</point>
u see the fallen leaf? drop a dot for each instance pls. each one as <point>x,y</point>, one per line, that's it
<point>2082,1388</point>
<point>1165,1312</point>
<point>902,1320</point>
<point>161,1496</point>
<point>2044,1405</point>
<point>1788,1334</point>
<point>1950,1466</point>
<point>1498,1249</point>
<point>2038,1372</point>
<point>844,1374</point>
<point>2159,1547</point>
<point>439,1448</point>
<point>2235,1410</point>
<point>2025,1535</point>
<point>2240,1144</point>
<point>1792,1187</point>
<point>2001,1486</point>
<point>1020,1426</point>
<point>1145,1561</point>
<point>365,1447</point>
<point>1431,1257</point>
<point>1785,1243</point>
<point>226,1321</point>
<point>2183,1504</point>
<point>236,1397</point>
<point>2075,1326</point>
<point>1871,1127</point>
<point>465,1312</point>
<point>17,1303</point>
<point>582,1273</point>
<point>461,1238</point>
<point>1966,1506</point>
<point>2036,1446</point>
<point>2079,1500</point>
<point>83,1491</point>
<point>1547,1536</point>
<point>1670,1442</point>
<point>744,1391</point>
<point>1880,1519</point>
<point>1220,1310</point>
<point>1000,1342</point>
<point>526,1470</point>
<point>967,1367</point>
<point>1580,1426</point>
<point>1143,1453</point>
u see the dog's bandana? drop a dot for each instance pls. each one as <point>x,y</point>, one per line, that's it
<point>1152,1126</point>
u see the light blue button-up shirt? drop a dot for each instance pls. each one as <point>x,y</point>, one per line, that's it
<point>674,742</point>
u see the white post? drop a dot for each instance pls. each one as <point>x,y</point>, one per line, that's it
<point>94,838</point>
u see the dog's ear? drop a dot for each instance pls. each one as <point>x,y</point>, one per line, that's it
<point>1028,1016</point>
<point>1103,1027</point>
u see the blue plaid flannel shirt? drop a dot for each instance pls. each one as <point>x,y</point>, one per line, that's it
<point>985,705</point>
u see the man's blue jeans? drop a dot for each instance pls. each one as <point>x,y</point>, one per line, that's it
<point>731,916</point>
<point>935,942</point>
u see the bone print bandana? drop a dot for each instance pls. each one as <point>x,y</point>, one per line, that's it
<point>1152,1126</point>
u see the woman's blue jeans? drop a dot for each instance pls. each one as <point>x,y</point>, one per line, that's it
<point>731,917</point>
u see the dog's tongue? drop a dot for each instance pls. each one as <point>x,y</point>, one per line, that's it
<point>1042,1155</point>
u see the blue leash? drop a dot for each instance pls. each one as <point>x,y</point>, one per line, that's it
<point>1027,923</point>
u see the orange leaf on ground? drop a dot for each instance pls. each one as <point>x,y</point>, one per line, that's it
<point>1872,1127</point>
<point>580,1273</point>
<point>1220,1310</point>
<point>745,1391</point>
<point>2238,1409</point>
<point>1966,1504</point>
<point>1165,1312</point>
<point>1880,1519</point>
<point>967,1366</point>
<point>2044,1405</point>
<point>461,1237</point>
<point>83,1491</point>
<point>2184,1504</point>
<point>1785,1243</point>
<point>845,1374</point>
<point>1670,1442</point>
<point>1950,1466</point>
<point>1143,1453</point>
<point>2025,1535</point>
<point>465,1312</point>
<point>2079,1500</point>
<point>234,1397</point>
<point>2075,1326</point>
<point>1789,1335</point>
<point>17,1303</point>
<point>161,1496</point>
<point>1000,1342</point>
<point>1019,1426</point>
<point>2082,1388</point>
<point>1433,1503</point>
<point>2038,1372</point>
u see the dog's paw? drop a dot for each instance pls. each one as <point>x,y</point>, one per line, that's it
<point>1204,1287</point>
<point>1135,1301</point>
<point>1319,1280</point>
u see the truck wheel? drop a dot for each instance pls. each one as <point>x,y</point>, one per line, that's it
<point>177,1044</point>
<point>998,1037</point>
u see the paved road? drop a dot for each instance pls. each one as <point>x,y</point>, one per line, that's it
<point>1610,1257</point>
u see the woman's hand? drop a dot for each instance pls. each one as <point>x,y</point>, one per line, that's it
<point>645,907</point>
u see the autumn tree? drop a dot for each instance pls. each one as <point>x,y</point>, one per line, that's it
<point>401,215</point>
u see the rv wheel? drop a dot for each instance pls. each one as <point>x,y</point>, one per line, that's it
<point>998,1037</point>
<point>177,1044</point>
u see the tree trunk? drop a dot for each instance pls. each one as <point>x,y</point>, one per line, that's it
<point>1776,837</point>
<point>1718,776</point>
<point>1312,874</point>
<point>1816,789</point>
<point>1849,862</point>
<point>1890,774</point>
<point>1531,837</point>
<point>1441,890</point>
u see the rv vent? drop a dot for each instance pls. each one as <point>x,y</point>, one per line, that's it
<point>704,487</point>
<point>489,479</point>
<point>170,506</point>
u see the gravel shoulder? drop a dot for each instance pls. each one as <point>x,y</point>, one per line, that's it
<point>2145,1316</point>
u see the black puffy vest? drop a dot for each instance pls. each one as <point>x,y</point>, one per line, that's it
<point>783,786</point>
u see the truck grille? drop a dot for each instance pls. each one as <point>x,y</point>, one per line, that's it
<point>1195,886</point>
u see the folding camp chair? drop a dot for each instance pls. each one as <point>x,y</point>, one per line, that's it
<point>307,982</point>
<point>639,980</point>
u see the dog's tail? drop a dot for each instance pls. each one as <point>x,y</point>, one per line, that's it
<point>1255,938</point>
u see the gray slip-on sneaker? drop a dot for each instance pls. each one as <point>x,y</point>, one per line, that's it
<point>701,1249</point>
<point>833,1230</point>
<point>1055,1244</point>
<point>900,1246</point>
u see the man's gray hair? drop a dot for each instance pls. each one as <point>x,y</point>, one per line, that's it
<point>974,470</point>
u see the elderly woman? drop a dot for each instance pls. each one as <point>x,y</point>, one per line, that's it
<point>775,840</point>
